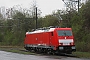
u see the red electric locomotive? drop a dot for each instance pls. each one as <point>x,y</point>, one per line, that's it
<point>59,40</point>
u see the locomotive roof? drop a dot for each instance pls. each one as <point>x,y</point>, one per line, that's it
<point>46,30</point>
<point>41,30</point>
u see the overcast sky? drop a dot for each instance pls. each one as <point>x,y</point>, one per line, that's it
<point>46,6</point>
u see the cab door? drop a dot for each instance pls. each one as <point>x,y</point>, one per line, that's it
<point>51,38</point>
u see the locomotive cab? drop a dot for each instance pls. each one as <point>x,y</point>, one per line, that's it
<point>65,40</point>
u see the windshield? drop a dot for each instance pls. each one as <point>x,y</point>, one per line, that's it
<point>64,33</point>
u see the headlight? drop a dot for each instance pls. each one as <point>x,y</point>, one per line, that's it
<point>60,47</point>
<point>73,47</point>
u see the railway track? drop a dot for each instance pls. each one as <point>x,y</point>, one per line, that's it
<point>48,54</point>
<point>22,51</point>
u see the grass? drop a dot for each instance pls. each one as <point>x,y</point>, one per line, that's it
<point>15,49</point>
<point>82,54</point>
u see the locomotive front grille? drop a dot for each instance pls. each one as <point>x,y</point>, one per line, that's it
<point>64,48</point>
<point>67,47</point>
